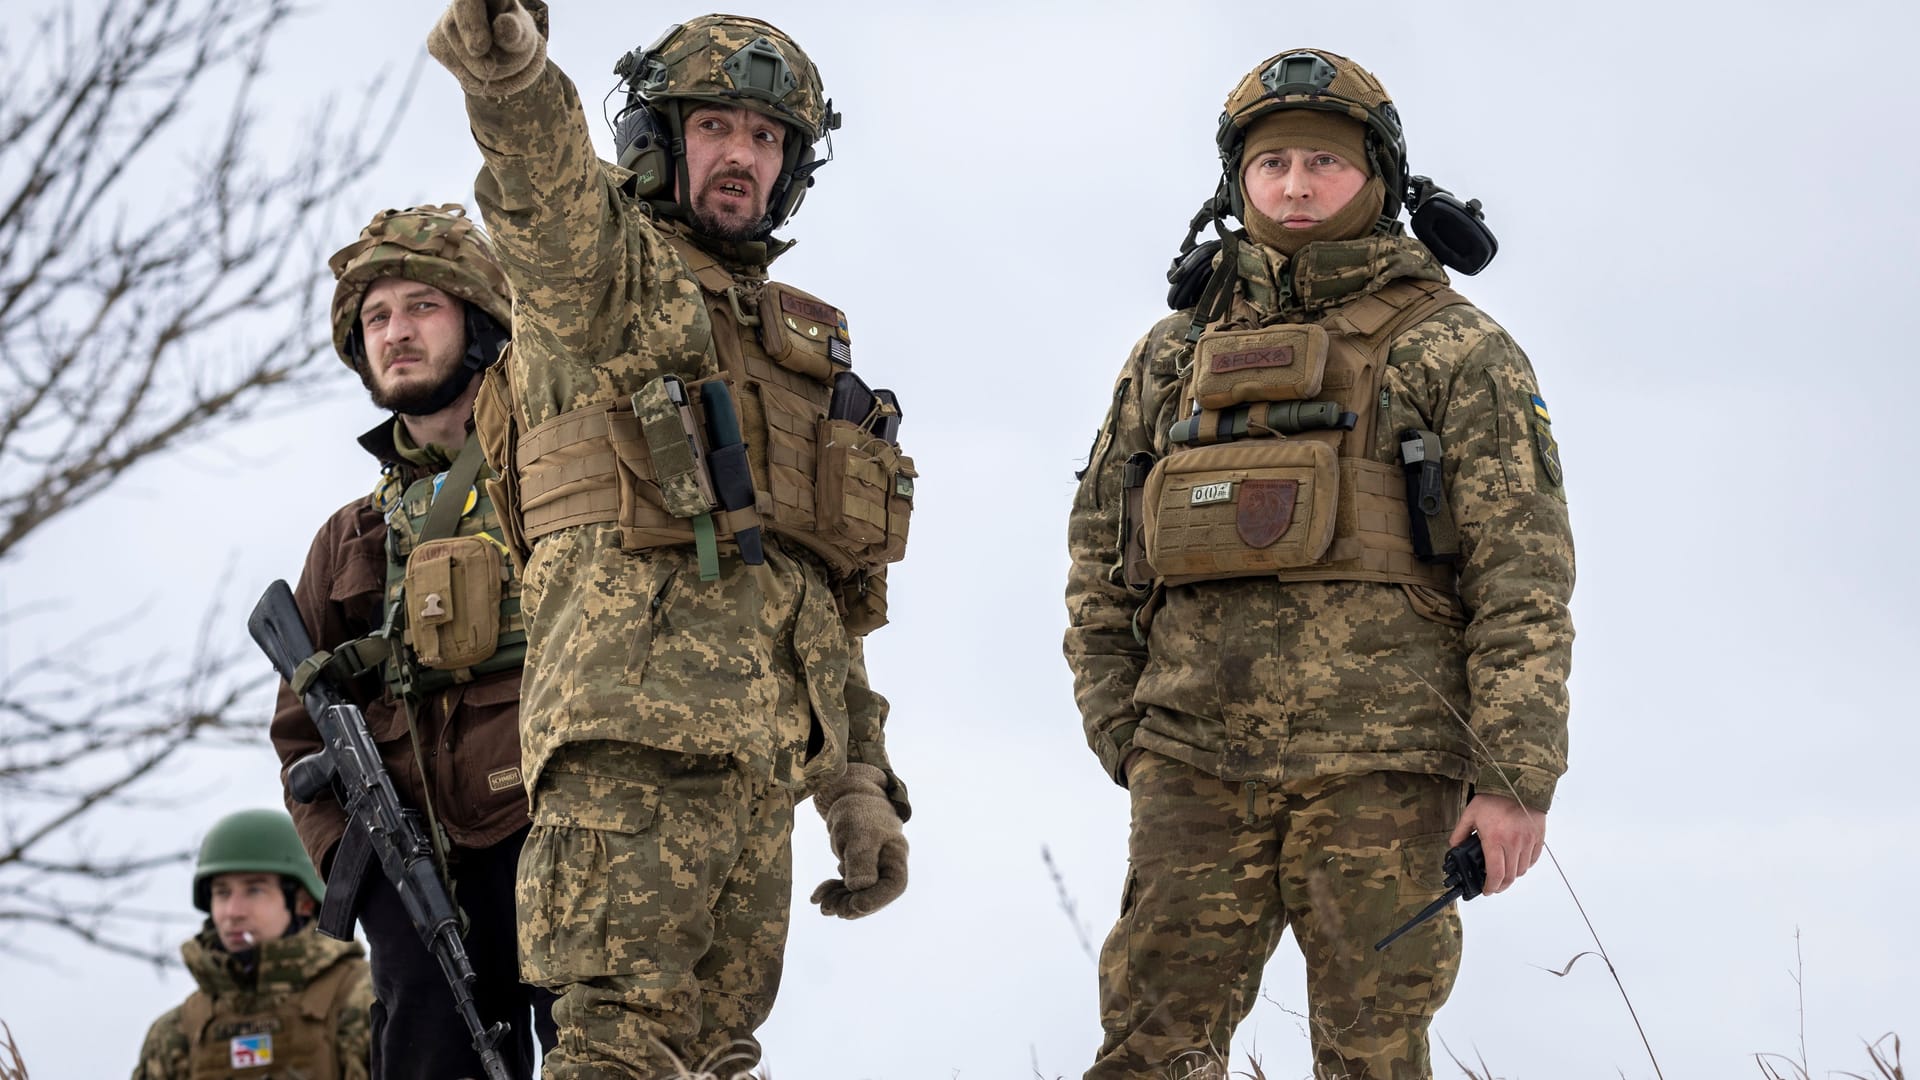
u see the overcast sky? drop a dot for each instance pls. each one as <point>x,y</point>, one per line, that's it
<point>1707,227</point>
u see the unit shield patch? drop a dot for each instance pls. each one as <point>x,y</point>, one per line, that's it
<point>1266,510</point>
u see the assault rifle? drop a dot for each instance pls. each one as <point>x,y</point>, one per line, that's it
<point>378,827</point>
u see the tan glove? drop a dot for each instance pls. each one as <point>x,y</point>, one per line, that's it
<point>493,47</point>
<point>867,839</point>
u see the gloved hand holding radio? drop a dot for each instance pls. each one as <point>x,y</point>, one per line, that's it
<point>867,838</point>
<point>493,47</point>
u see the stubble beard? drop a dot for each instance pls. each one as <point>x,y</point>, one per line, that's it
<point>411,399</point>
<point>727,227</point>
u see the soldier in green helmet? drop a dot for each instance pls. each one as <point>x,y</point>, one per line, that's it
<point>274,997</point>
<point>412,592</point>
<point>1324,510</point>
<point>707,498</point>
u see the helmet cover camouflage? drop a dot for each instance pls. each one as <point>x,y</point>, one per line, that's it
<point>253,842</point>
<point>437,245</point>
<point>1316,79</point>
<point>734,60</point>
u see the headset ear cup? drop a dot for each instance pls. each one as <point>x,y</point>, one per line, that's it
<point>642,143</point>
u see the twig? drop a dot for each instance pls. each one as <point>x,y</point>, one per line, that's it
<point>1599,946</point>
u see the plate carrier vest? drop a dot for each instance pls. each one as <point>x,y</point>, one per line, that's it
<point>829,484</point>
<point>1245,493</point>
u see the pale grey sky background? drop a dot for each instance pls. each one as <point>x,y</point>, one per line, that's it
<point>1707,232</point>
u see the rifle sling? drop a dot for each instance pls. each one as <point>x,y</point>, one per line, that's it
<point>344,879</point>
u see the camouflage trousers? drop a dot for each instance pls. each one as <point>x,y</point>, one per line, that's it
<point>1218,869</point>
<point>653,895</point>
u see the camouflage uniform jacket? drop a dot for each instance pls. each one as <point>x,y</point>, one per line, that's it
<point>286,969</point>
<point>470,733</point>
<point>634,647</point>
<point>1274,682</point>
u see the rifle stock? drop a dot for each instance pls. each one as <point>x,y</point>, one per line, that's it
<point>379,828</point>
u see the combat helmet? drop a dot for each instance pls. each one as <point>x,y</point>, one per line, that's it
<point>1315,79</point>
<point>720,60</point>
<point>437,245</point>
<point>1455,231</point>
<point>254,842</point>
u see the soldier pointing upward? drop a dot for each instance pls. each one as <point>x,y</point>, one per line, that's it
<point>706,498</point>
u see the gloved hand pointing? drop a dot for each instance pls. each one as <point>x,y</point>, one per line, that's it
<point>867,839</point>
<point>493,47</point>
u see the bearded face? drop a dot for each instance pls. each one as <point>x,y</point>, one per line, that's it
<point>733,159</point>
<point>416,338</point>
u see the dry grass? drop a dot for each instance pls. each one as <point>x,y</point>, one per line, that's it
<point>14,1069</point>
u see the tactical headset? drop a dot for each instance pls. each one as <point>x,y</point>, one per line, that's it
<point>649,133</point>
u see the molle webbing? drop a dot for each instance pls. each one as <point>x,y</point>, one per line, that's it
<point>1372,538</point>
<point>591,465</point>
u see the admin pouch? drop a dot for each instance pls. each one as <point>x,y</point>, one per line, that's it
<point>1286,362</point>
<point>1240,509</point>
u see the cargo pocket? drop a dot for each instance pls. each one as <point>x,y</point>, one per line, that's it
<point>1417,972</point>
<point>592,853</point>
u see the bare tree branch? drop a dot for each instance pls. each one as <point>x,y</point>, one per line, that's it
<point>162,267</point>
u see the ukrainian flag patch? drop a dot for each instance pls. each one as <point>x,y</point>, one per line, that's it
<point>1540,409</point>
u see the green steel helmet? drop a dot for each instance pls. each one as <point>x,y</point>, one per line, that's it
<point>728,60</point>
<point>253,842</point>
<point>1315,79</point>
<point>438,245</point>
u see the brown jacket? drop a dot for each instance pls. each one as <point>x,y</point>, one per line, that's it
<point>470,734</point>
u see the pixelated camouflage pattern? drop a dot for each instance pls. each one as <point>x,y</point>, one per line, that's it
<point>286,968</point>
<point>437,245</point>
<point>1259,680</point>
<point>635,648</point>
<point>1218,869</point>
<point>653,896</point>
<point>694,68</point>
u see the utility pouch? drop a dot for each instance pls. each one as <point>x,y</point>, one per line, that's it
<point>803,333</point>
<point>665,416</point>
<point>1273,363</point>
<point>899,509</point>
<point>1135,571</point>
<point>856,486</point>
<point>862,602</point>
<point>1241,509</point>
<point>1435,539</point>
<point>453,600</point>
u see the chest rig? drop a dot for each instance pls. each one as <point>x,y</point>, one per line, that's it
<point>288,1035</point>
<point>820,449</point>
<point>1275,465</point>
<point>452,596</point>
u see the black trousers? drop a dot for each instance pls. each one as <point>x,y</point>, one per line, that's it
<point>417,1033</point>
